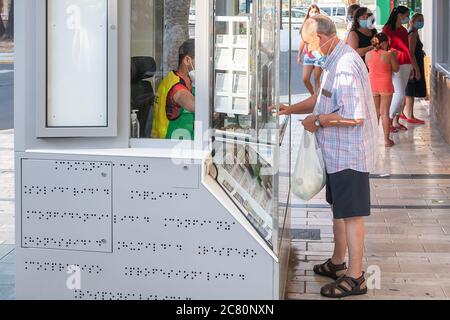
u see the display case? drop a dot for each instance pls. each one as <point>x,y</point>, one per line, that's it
<point>152,218</point>
<point>247,132</point>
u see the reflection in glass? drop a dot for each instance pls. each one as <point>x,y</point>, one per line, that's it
<point>77,63</point>
<point>158,29</point>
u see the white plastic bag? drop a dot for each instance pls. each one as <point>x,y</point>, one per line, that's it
<point>310,174</point>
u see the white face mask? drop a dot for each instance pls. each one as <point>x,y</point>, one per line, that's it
<point>192,74</point>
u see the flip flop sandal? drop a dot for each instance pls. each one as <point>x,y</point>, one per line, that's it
<point>330,270</point>
<point>345,287</point>
<point>415,121</point>
<point>394,130</point>
<point>401,127</point>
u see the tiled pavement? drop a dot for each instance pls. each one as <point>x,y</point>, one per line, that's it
<point>408,234</point>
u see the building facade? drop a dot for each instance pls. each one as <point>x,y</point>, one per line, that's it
<point>437,41</point>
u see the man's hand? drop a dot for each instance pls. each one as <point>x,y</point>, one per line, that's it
<point>284,110</point>
<point>310,124</point>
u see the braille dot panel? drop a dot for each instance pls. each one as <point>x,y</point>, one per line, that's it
<point>181,274</point>
<point>76,192</point>
<point>197,223</point>
<point>80,166</point>
<point>226,252</point>
<point>147,246</point>
<point>38,242</point>
<point>130,219</point>
<point>140,169</point>
<point>60,267</point>
<point>157,196</point>
<point>108,295</point>
<point>59,216</point>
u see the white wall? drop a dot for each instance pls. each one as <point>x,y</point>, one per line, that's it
<point>427,32</point>
<point>441,47</point>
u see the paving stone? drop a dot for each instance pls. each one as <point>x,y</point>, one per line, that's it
<point>5,250</point>
<point>7,292</point>
<point>7,274</point>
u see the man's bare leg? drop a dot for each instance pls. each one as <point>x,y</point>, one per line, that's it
<point>340,242</point>
<point>355,231</point>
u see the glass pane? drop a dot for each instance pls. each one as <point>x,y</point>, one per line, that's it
<point>77,63</point>
<point>246,90</point>
<point>158,30</point>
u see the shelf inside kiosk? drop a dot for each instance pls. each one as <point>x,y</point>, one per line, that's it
<point>245,68</point>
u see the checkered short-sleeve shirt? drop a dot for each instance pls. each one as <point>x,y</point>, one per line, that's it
<point>346,90</point>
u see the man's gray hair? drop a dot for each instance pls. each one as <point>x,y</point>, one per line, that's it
<point>320,24</point>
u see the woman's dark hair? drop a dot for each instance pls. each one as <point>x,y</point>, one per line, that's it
<point>392,22</point>
<point>352,9</point>
<point>358,14</point>
<point>313,6</point>
<point>378,39</point>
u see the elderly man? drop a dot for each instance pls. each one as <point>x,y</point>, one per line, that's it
<point>345,122</point>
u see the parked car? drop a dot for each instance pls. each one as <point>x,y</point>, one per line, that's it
<point>337,13</point>
<point>298,16</point>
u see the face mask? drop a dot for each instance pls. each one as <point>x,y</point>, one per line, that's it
<point>321,59</point>
<point>312,14</point>
<point>405,20</point>
<point>192,74</point>
<point>350,18</point>
<point>364,24</point>
<point>419,24</point>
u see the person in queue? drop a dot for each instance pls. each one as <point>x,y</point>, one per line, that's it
<point>382,63</point>
<point>399,41</point>
<point>345,123</point>
<point>310,63</point>
<point>417,87</point>
<point>350,14</point>
<point>362,32</point>
<point>174,111</point>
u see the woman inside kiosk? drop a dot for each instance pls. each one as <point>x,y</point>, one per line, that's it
<point>174,110</point>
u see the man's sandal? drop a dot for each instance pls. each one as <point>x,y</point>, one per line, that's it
<point>345,287</point>
<point>330,270</point>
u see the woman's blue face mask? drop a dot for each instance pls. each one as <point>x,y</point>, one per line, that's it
<point>364,24</point>
<point>419,24</point>
<point>405,20</point>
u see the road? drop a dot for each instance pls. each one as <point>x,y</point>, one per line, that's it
<point>6,96</point>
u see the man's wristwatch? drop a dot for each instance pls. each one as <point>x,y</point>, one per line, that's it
<point>317,123</point>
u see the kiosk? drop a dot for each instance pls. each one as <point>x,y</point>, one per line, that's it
<point>102,215</point>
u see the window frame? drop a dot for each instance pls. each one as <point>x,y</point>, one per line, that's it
<point>203,94</point>
<point>42,128</point>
